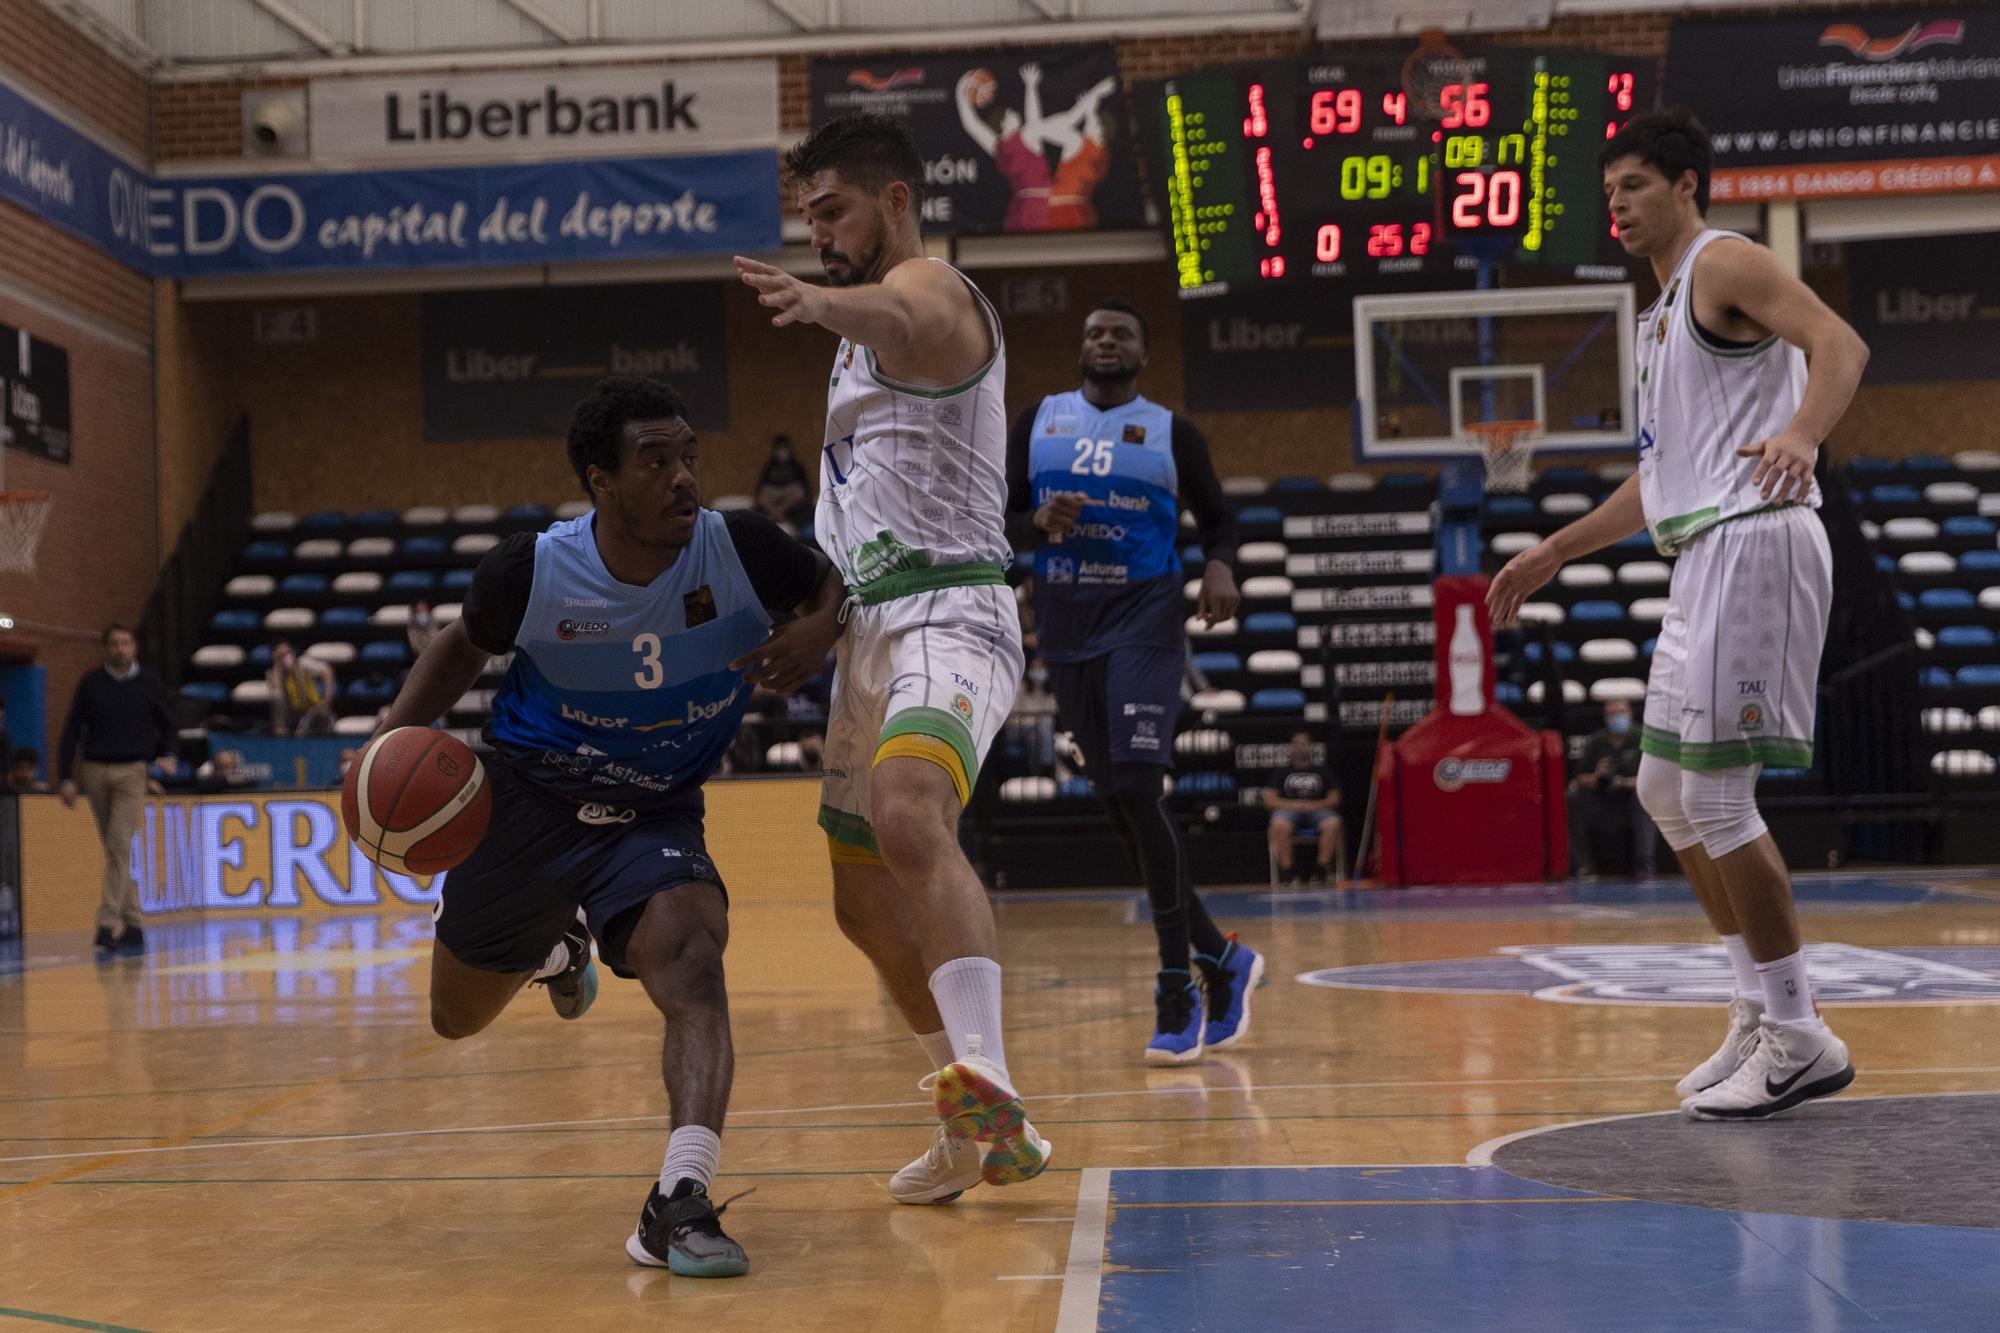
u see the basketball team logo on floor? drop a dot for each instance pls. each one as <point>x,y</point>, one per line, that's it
<point>1684,974</point>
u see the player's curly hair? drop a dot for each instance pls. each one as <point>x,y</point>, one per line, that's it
<point>867,149</point>
<point>1672,140</point>
<point>617,399</point>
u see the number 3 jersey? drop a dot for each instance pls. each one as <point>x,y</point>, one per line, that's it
<point>619,693</point>
<point>1114,579</point>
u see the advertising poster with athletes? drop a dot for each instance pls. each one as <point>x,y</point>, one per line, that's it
<point>1012,141</point>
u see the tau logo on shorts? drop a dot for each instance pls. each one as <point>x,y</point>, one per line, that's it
<point>698,607</point>
<point>1667,974</point>
<point>962,706</point>
<point>570,630</point>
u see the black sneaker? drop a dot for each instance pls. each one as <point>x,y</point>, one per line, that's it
<point>682,1232</point>
<point>102,940</point>
<point>574,989</point>
<point>132,941</point>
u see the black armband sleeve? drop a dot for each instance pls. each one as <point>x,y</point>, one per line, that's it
<point>1202,493</point>
<point>497,602</point>
<point>782,571</point>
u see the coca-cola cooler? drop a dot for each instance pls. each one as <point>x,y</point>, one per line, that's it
<point>1470,794</point>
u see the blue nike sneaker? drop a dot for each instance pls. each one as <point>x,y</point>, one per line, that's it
<point>1231,978</point>
<point>1177,1002</point>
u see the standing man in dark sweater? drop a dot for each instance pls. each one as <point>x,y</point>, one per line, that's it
<point>122,718</point>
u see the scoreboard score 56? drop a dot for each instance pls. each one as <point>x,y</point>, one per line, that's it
<point>1333,170</point>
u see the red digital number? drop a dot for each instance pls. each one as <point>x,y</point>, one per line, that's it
<point>1420,239</point>
<point>1327,244</point>
<point>1487,201</point>
<point>1620,88</point>
<point>1257,124</point>
<point>1274,267</point>
<point>1335,112</point>
<point>1385,241</point>
<point>1395,106</point>
<point>1465,105</point>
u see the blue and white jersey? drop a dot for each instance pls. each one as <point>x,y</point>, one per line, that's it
<point>623,694</point>
<point>1115,578</point>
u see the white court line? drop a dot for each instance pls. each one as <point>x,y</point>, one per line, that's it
<point>1242,1090</point>
<point>1029,1277</point>
<point>1083,1278</point>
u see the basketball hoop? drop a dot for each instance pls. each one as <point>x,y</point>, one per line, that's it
<point>1509,450</point>
<point>23,515</point>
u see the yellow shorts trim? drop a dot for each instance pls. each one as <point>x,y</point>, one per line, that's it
<point>916,745</point>
<point>847,854</point>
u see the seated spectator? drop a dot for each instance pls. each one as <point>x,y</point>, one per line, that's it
<point>782,495</point>
<point>1604,795</point>
<point>423,627</point>
<point>223,772</point>
<point>301,693</point>
<point>22,773</point>
<point>1304,799</point>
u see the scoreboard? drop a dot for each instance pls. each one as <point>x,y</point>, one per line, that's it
<point>1330,169</point>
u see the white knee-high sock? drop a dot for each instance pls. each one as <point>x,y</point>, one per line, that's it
<point>692,1153</point>
<point>937,1047</point>
<point>967,991</point>
<point>1788,994</point>
<point>1748,984</point>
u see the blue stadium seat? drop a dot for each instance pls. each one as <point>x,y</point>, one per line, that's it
<point>1985,562</point>
<point>324,518</point>
<point>1646,648</point>
<point>1904,600</point>
<point>1894,495</point>
<point>1568,476</point>
<point>1969,526</point>
<point>1260,516</point>
<point>531,514</point>
<point>207,691</point>
<point>423,546</point>
<point>1638,541</point>
<point>1073,789</point>
<point>1510,506</point>
<point>385,650</point>
<point>1947,599</point>
<point>1278,699</point>
<point>260,656</point>
<point>377,518</point>
<point>1296,484</point>
<point>1207,662</point>
<point>1205,784</point>
<point>1867,465</point>
<point>1408,480</point>
<point>1966,636</point>
<point>238,621</point>
<point>1935,678</point>
<point>366,691</point>
<point>1192,557</point>
<point>302,585</point>
<point>1532,651</point>
<point>1270,622</point>
<point>1024,560</point>
<point>1985,676</point>
<point>1886,564</point>
<point>267,552</point>
<point>411,580</point>
<point>456,580</point>
<point>1507,692</point>
<point>1926,463</point>
<point>1786,774</point>
<point>1597,609</point>
<point>344,617</point>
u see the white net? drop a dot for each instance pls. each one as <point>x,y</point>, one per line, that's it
<point>23,515</point>
<point>1509,450</point>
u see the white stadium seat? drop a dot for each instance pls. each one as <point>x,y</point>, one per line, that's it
<point>1910,530</point>
<point>1616,472</point>
<point>1652,609</point>
<point>1871,529</point>
<point>318,548</point>
<point>1645,572</point>
<point>333,652</point>
<point>1261,553</point>
<point>274,520</point>
<point>1947,719</point>
<point>470,515</point>
<point>357,583</point>
<point>289,618</point>
<point>1217,701</point>
<point>1925,639</point>
<point>1573,692</point>
<point>371,548</point>
<point>1926,562</point>
<point>425,516</point>
<point>1274,662</point>
<point>1629,688</point>
<point>1513,543</point>
<point>475,543</point>
<point>446,612</point>
<point>1963,763</point>
<point>1221,628</point>
<point>1567,503</point>
<point>1951,493</point>
<point>1241,486</point>
<point>250,585</point>
<point>1989,717</point>
<point>1542,613</point>
<point>1989,505</point>
<point>1202,740</point>
<point>1608,650</point>
<point>396,614</point>
<point>474,701</point>
<point>727,503</point>
<point>251,692</point>
<point>360,724</point>
<point>1267,585</point>
<point>1584,576</point>
<point>1976,460</point>
<point>569,509</point>
<point>218,655</point>
<point>1028,789</point>
<point>1351,482</point>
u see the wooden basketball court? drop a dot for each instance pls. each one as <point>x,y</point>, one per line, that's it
<point>252,1127</point>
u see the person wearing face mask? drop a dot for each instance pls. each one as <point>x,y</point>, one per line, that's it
<point>1604,795</point>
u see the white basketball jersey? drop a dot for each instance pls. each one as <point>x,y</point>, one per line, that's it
<point>912,477</point>
<point>1698,403</point>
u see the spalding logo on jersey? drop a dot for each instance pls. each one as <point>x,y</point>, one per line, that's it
<point>1664,974</point>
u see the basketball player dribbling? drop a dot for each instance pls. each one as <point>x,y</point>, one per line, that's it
<point>630,628</point>
<point>911,509</point>
<point>1731,415</point>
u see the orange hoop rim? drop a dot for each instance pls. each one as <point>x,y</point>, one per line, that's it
<point>1501,437</point>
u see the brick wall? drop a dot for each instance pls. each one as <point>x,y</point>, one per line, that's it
<point>56,61</point>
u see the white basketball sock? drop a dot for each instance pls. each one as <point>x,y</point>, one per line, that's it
<point>692,1152</point>
<point>557,960</point>
<point>967,991</point>
<point>937,1047</point>
<point>1744,966</point>
<point>1787,993</point>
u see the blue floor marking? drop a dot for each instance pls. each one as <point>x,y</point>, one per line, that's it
<point>1397,1261</point>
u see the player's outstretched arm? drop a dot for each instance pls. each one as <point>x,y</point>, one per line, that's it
<point>1617,518</point>
<point>1750,278</point>
<point>445,671</point>
<point>915,305</point>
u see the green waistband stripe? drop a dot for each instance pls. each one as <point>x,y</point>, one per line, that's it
<point>927,578</point>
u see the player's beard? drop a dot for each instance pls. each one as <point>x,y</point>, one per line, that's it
<point>859,270</point>
<point>1099,375</point>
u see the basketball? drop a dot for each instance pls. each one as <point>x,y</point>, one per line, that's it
<point>980,86</point>
<point>416,801</point>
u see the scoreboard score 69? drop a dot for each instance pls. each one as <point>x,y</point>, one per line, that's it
<point>1334,170</point>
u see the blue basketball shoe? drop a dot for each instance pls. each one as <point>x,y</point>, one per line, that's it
<point>1231,978</point>
<point>1177,1003</point>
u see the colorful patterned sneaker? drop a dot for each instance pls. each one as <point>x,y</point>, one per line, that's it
<point>1231,978</point>
<point>1744,1014</point>
<point>574,989</point>
<point>682,1232</point>
<point>1179,1017</point>
<point>949,1168</point>
<point>976,1102</point>
<point>1790,1065</point>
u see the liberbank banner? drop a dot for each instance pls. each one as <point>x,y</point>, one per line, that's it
<point>1844,103</point>
<point>544,212</point>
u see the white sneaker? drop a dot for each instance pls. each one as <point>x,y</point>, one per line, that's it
<point>1789,1065</point>
<point>948,1169</point>
<point>1729,1057</point>
<point>976,1102</point>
